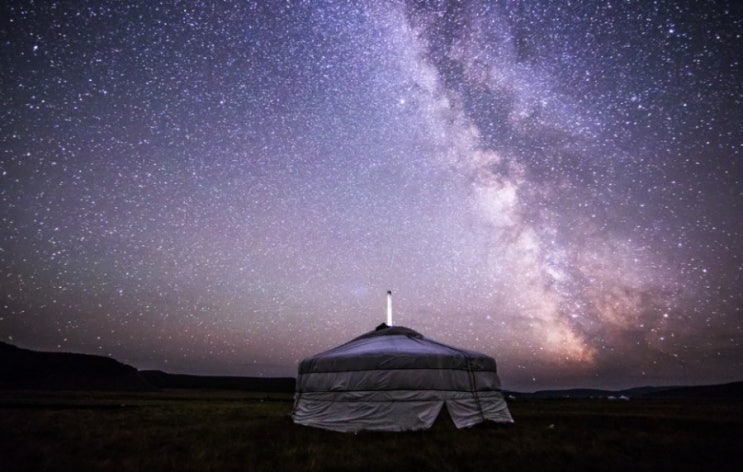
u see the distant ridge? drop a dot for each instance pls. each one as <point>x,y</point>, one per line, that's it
<point>27,369</point>
<point>24,369</point>
<point>161,379</point>
<point>733,390</point>
<point>730,391</point>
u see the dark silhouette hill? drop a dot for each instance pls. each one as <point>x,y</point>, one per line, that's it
<point>161,379</point>
<point>731,391</point>
<point>36,370</point>
<point>27,369</point>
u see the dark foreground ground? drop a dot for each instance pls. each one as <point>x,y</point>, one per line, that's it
<point>207,430</point>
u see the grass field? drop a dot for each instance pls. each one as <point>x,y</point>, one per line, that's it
<point>207,430</point>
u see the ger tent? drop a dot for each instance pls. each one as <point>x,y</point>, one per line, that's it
<point>394,379</point>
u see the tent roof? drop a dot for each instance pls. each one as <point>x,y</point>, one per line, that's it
<point>395,347</point>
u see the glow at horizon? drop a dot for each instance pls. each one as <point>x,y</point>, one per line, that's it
<point>228,188</point>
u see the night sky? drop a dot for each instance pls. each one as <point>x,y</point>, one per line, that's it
<point>223,187</point>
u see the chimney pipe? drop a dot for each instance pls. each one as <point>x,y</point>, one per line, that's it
<point>389,308</point>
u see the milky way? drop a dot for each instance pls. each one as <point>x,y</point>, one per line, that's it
<point>228,187</point>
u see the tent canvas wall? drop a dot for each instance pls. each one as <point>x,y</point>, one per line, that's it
<point>394,379</point>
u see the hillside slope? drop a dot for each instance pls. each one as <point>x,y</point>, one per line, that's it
<point>26,369</point>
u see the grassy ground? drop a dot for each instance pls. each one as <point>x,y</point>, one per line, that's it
<point>188,430</point>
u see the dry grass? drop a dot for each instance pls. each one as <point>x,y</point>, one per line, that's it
<point>187,430</point>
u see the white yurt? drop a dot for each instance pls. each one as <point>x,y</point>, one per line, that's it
<point>394,379</point>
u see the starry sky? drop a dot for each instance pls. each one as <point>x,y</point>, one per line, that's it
<point>227,187</point>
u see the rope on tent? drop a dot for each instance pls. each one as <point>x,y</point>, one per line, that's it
<point>473,384</point>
